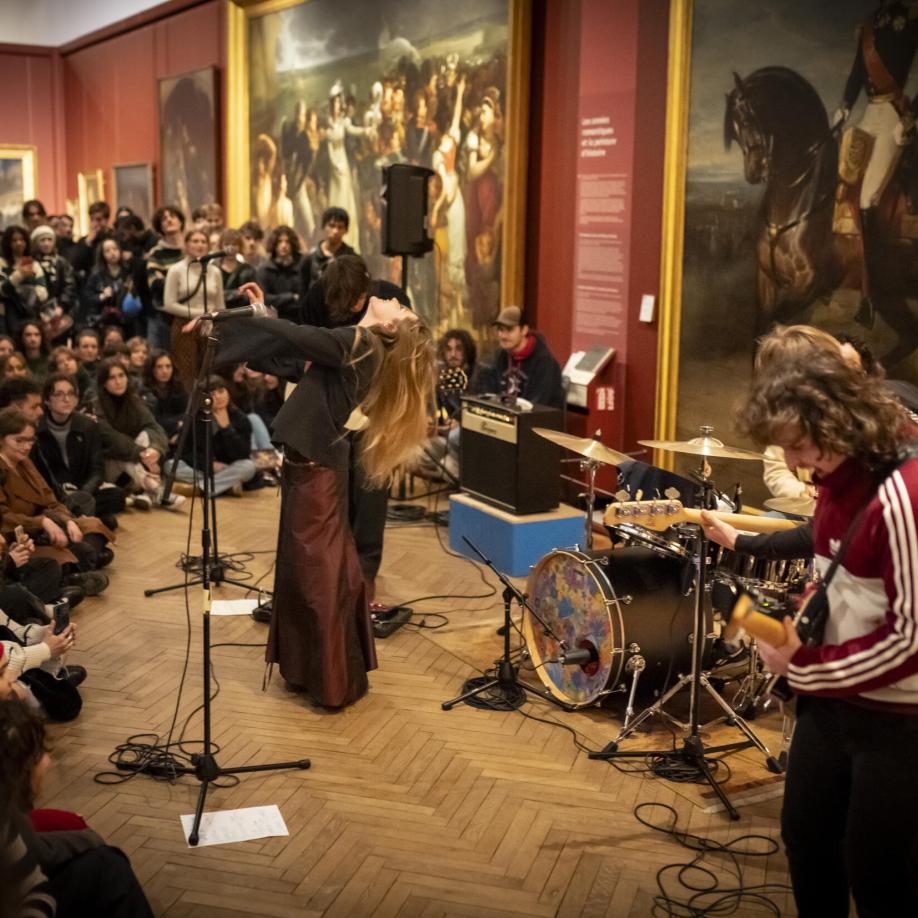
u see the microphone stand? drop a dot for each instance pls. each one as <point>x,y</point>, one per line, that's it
<point>199,393</point>
<point>204,766</point>
<point>511,690</point>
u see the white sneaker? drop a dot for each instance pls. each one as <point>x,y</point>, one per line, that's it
<point>142,502</point>
<point>175,501</point>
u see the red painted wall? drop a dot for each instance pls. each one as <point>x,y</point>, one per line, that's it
<point>110,88</point>
<point>634,38</point>
<point>31,113</point>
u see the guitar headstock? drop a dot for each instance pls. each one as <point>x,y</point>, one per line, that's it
<point>657,515</point>
<point>452,379</point>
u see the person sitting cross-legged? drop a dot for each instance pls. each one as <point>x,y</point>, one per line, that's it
<point>233,467</point>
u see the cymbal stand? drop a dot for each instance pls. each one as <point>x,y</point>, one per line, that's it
<point>507,682</point>
<point>693,750</point>
<point>589,466</point>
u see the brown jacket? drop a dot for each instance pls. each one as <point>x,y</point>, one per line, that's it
<point>26,499</point>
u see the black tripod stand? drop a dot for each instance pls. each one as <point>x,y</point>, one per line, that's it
<point>511,691</point>
<point>199,394</point>
<point>693,750</point>
<point>204,766</point>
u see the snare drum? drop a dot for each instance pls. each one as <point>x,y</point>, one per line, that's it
<point>626,603</point>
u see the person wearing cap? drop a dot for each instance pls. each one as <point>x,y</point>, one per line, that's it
<point>56,312</point>
<point>524,366</point>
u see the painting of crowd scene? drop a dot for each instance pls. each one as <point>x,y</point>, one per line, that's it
<point>339,89</point>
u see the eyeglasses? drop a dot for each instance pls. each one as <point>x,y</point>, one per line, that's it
<point>24,441</point>
<point>68,394</point>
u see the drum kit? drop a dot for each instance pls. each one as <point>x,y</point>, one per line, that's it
<point>646,618</point>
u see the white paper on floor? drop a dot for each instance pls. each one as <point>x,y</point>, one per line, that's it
<point>233,606</point>
<point>229,826</point>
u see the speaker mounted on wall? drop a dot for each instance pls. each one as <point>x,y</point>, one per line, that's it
<point>404,210</point>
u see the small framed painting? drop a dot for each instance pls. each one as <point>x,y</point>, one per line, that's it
<point>17,181</point>
<point>133,183</point>
<point>91,187</point>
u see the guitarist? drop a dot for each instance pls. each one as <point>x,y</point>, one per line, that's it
<point>850,814</point>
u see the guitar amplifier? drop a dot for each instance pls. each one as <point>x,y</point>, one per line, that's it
<point>503,462</point>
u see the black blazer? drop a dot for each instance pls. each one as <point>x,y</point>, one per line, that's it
<point>312,419</point>
<point>85,466</point>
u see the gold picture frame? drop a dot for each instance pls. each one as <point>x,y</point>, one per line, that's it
<point>90,188</point>
<point>240,14</point>
<point>18,181</point>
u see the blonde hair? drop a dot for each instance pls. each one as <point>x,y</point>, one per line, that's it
<point>400,398</point>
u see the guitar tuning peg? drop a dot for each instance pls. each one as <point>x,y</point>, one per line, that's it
<point>672,493</point>
<point>656,494</point>
<point>622,495</point>
<point>639,495</point>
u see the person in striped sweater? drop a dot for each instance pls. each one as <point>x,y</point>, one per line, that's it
<point>850,813</point>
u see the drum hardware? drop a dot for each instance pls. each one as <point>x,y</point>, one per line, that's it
<point>593,454</point>
<point>693,750</point>
<point>636,665</point>
<point>509,688</point>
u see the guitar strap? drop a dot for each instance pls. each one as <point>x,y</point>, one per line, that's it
<point>812,623</point>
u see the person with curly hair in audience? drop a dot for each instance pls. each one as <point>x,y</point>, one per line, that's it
<point>164,393</point>
<point>279,276</point>
<point>55,864</point>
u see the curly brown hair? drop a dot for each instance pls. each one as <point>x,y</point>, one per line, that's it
<point>296,250</point>
<point>809,389</point>
<point>22,733</point>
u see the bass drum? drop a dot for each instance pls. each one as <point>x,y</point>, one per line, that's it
<point>633,596</point>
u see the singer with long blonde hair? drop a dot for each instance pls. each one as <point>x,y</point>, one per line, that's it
<point>376,377</point>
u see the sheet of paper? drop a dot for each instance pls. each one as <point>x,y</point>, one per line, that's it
<point>229,826</point>
<point>233,606</point>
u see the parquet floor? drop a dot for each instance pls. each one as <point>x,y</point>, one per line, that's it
<point>407,810</point>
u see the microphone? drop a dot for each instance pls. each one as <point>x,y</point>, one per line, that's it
<point>210,256</point>
<point>578,657</point>
<point>253,311</point>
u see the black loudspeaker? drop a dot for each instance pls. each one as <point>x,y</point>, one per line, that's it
<point>503,462</point>
<point>404,210</point>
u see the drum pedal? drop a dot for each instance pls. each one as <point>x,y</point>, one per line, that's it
<point>388,619</point>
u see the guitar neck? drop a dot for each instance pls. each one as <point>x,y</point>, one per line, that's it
<point>744,521</point>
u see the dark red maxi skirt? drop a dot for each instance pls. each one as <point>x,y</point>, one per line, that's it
<point>321,634</point>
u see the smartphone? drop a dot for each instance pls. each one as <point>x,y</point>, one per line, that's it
<point>60,613</point>
<point>20,534</point>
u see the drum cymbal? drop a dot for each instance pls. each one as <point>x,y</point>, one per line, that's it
<point>703,446</point>
<point>586,446</point>
<point>796,506</point>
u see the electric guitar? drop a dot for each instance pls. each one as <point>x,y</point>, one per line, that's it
<point>659,515</point>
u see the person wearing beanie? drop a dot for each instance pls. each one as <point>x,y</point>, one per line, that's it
<point>56,312</point>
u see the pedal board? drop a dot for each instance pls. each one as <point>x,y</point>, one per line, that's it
<point>388,622</point>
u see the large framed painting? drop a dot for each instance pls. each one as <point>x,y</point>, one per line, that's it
<point>17,181</point>
<point>188,131</point>
<point>133,184</point>
<point>90,188</point>
<point>790,195</point>
<point>325,94</point>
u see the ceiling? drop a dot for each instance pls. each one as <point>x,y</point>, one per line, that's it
<point>56,22</point>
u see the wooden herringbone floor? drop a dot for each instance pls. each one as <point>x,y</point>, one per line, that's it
<point>408,810</point>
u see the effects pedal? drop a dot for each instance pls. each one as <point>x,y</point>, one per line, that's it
<point>388,619</point>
